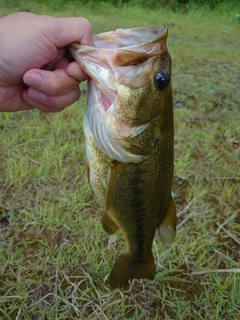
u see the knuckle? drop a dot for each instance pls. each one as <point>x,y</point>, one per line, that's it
<point>60,84</point>
<point>52,87</point>
<point>86,23</point>
<point>58,103</point>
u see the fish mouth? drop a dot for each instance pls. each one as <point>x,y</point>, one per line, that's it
<point>118,57</point>
<point>131,38</point>
<point>128,48</point>
<point>127,38</point>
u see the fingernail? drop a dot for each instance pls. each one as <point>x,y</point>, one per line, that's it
<point>75,71</point>
<point>36,96</point>
<point>34,80</point>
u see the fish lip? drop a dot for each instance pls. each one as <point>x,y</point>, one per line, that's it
<point>159,33</point>
<point>143,48</point>
<point>140,35</point>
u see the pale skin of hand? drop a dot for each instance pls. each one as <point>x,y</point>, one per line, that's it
<point>35,69</point>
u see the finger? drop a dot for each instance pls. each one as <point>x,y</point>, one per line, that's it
<point>60,56</point>
<point>72,30</point>
<point>52,83</point>
<point>61,63</point>
<point>75,71</point>
<point>48,103</point>
<point>11,99</point>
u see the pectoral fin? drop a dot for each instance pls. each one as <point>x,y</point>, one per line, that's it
<point>111,183</point>
<point>108,224</point>
<point>167,229</point>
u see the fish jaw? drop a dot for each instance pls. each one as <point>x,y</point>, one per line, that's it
<point>123,61</point>
<point>105,128</point>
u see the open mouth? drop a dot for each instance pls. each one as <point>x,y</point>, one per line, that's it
<point>120,67</point>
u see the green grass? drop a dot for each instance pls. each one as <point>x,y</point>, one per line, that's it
<point>55,257</point>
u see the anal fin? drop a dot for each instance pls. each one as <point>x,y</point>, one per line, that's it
<point>108,224</point>
<point>167,229</point>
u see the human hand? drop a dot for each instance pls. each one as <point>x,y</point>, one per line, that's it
<point>35,69</point>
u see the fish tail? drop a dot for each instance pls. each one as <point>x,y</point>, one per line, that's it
<point>126,269</point>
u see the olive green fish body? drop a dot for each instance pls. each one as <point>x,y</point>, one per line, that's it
<point>129,136</point>
<point>141,200</point>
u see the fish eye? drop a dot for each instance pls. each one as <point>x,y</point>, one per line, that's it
<point>162,80</point>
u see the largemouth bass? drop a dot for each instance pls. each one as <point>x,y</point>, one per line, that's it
<point>128,127</point>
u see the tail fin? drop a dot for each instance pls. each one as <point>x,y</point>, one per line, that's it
<point>126,269</point>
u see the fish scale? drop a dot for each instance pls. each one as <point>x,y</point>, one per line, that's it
<point>128,127</point>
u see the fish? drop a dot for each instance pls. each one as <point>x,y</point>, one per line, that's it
<point>129,141</point>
